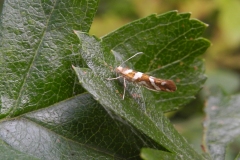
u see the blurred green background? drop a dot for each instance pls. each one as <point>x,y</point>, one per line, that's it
<point>222,58</point>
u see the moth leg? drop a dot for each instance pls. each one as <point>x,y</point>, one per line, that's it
<point>114,78</point>
<point>125,85</point>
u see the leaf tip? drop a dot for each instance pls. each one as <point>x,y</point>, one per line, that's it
<point>74,68</point>
<point>78,32</point>
<point>75,31</point>
<point>206,25</point>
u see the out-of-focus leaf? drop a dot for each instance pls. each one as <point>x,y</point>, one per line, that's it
<point>222,123</point>
<point>225,79</point>
<point>229,21</point>
<point>233,148</point>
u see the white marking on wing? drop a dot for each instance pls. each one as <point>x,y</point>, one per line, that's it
<point>127,71</point>
<point>151,79</point>
<point>163,83</point>
<point>137,75</point>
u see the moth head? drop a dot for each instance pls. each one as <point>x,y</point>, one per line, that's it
<point>119,69</point>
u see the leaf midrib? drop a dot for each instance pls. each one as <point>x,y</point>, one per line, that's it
<point>31,64</point>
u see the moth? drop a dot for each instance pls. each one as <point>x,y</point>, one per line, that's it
<point>149,82</point>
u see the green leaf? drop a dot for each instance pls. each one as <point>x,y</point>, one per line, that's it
<point>78,128</point>
<point>153,154</point>
<point>221,124</point>
<point>37,51</point>
<point>141,108</point>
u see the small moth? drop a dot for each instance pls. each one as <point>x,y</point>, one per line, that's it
<point>149,82</point>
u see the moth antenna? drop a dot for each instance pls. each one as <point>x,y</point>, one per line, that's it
<point>131,57</point>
